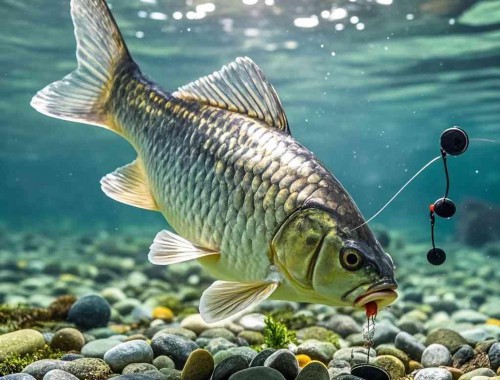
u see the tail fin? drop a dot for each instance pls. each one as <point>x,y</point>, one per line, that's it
<point>83,95</point>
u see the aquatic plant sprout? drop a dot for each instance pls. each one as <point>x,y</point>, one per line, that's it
<point>399,191</point>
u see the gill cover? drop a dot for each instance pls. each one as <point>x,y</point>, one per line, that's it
<point>298,247</point>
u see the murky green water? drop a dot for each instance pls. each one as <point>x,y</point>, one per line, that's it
<point>367,85</point>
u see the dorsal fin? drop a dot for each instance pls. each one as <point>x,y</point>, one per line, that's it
<point>239,87</point>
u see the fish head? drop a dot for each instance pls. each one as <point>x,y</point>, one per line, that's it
<point>326,265</point>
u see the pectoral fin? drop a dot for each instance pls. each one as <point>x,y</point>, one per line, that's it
<point>169,248</point>
<point>128,184</point>
<point>224,299</point>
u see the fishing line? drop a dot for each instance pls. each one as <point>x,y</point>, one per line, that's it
<point>399,191</point>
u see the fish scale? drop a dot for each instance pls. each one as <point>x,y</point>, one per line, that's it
<point>200,146</point>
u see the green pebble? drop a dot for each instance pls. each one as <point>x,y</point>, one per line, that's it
<point>199,366</point>
<point>391,364</point>
<point>20,342</point>
<point>163,361</point>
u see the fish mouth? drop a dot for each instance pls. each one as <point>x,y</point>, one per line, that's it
<point>383,293</point>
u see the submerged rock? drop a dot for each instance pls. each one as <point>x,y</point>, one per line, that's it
<point>20,342</point>
<point>90,311</point>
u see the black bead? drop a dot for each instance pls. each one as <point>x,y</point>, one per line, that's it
<point>445,208</point>
<point>370,372</point>
<point>436,256</point>
<point>454,141</point>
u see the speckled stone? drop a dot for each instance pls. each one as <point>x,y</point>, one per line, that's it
<point>394,367</point>
<point>163,361</point>
<point>90,311</point>
<point>477,372</point>
<point>20,342</point>
<point>448,338</point>
<point>433,374</point>
<point>436,355</point>
<point>18,376</point>
<point>68,339</point>
<point>57,374</point>
<point>199,366</point>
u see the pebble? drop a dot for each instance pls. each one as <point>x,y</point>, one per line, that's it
<point>477,372</point>
<point>354,355</point>
<point>387,349</point>
<point>257,373</point>
<point>57,374</point>
<point>171,374</point>
<point>135,376</point>
<point>90,311</point>
<point>448,338</point>
<point>133,351</point>
<point>113,295</point>
<point>338,367</point>
<point>343,325</point>
<point>163,361</point>
<point>462,355</point>
<point>85,368</point>
<point>408,344</point>
<point>176,347</point>
<point>68,339</point>
<point>494,356</point>
<point>18,376</point>
<point>476,335</point>
<point>436,355</point>
<point>285,362</point>
<point>195,323</point>
<point>469,316</point>
<point>433,374</point>
<point>314,371</point>
<point>138,368</point>
<point>385,332</point>
<point>261,357</point>
<point>219,344</point>
<point>97,348</point>
<point>394,367</point>
<point>253,321</point>
<point>317,350</point>
<point>229,366</point>
<point>253,338</point>
<point>20,342</point>
<point>176,331</point>
<point>218,332</point>
<point>199,366</point>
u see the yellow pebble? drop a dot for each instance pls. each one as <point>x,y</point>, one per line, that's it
<point>161,312</point>
<point>493,322</point>
<point>303,360</point>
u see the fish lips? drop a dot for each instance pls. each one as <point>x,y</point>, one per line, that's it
<point>382,292</point>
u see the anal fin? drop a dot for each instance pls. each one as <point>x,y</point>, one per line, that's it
<point>224,299</point>
<point>128,185</point>
<point>169,248</point>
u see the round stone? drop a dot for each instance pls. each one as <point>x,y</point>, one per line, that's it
<point>57,374</point>
<point>394,367</point>
<point>254,338</point>
<point>97,348</point>
<point>176,347</point>
<point>343,325</point>
<point>408,344</point>
<point>68,339</point>
<point>494,356</point>
<point>20,343</point>
<point>314,371</point>
<point>133,351</point>
<point>18,376</point>
<point>199,366</point>
<point>261,357</point>
<point>138,368</point>
<point>436,355</point>
<point>462,356</point>
<point>387,349</point>
<point>354,355</point>
<point>219,332</point>
<point>163,361</point>
<point>219,344</point>
<point>317,350</point>
<point>385,333</point>
<point>433,374</point>
<point>260,373</point>
<point>448,338</point>
<point>486,372</point>
<point>253,321</point>
<point>228,367</point>
<point>90,311</point>
<point>285,362</point>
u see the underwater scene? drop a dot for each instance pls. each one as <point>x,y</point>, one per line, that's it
<point>250,189</point>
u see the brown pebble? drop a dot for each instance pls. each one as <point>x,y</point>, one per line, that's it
<point>68,339</point>
<point>455,372</point>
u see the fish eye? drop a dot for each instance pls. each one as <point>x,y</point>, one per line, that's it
<point>351,259</point>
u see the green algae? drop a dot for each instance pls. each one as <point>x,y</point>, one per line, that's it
<point>16,363</point>
<point>277,335</point>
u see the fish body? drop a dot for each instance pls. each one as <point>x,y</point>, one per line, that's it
<point>216,158</point>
